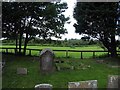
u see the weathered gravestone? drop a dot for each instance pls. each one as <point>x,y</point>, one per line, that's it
<point>0,68</point>
<point>2,65</point>
<point>47,61</point>
<point>113,81</point>
<point>43,87</point>
<point>22,71</point>
<point>82,85</point>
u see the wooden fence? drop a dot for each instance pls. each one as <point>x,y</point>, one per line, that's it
<point>6,50</point>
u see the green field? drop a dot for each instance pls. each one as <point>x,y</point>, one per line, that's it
<point>90,47</point>
<point>63,54</point>
<point>59,79</point>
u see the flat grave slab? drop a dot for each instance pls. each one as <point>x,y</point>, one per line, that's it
<point>91,84</point>
<point>22,71</point>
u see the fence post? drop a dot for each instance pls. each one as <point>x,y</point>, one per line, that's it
<point>81,55</point>
<point>108,54</point>
<point>93,54</point>
<point>6,50</point>
<point>15,50</point>
<point>29,52</point>
<point>66,53</point>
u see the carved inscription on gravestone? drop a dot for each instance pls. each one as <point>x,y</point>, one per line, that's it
<point>91,84</point>
<point>46,61</point>
<point>113,81</point>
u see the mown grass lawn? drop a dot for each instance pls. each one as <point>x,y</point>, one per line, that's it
<point>90,47</point>
<point>59,79</point>
<point>63,54</point>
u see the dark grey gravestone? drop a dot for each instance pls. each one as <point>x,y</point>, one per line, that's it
<point>113,81</point>
<point>91,84</point>
<point>43,87</point>
<point>22,71</point>
<point>47,61</point>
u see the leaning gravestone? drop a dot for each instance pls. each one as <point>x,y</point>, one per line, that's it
<point>43,87</point>
<point>91,84</point>
<point>47,61</point>
<point>113,81</point>
<point>22,71</point>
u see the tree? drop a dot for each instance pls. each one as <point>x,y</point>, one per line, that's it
<point>118,23</point>
<point>29,19</point>
<point>9,23</point>
<point>98,20</point>
<point>86,38</point>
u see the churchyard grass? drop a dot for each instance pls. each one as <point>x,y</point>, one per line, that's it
<point>59,79</point>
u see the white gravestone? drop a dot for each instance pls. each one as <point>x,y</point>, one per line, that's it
<point>91,84</point>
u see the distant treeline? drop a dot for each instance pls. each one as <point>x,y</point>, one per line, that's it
<point>70,42</point>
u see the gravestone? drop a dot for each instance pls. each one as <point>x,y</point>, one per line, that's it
<point>2,65</point>
<point>100,61</point>
<point>22,71</point>
<point>91,84</point>
<point>43,87</point>
<point>47,61</point>
<point>113,81</point>
<point>0,68</point>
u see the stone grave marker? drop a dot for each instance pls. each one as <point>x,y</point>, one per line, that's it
<point>2,65</point>
<point>22,71</point>
<point>0,68</point>
<point>113,81</point>
<point>47,61</point>
<point>43,87</point>
<point>82,85</point>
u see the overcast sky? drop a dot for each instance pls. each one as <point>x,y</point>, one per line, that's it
<point>69,27</point>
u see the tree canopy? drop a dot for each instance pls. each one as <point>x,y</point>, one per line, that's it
<point>99,20</point>
<point>30,19</point>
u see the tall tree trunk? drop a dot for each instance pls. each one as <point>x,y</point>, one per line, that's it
<point>110,44</point>
<point>25,44</point>
<point>20,42</point>
<point>16,38</point>
<point>26,39</point>
<point>20,36</point>
<point>113,50</point>
<point>16,44</point>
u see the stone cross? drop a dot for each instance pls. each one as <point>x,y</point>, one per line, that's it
<point>43,87</point>
<point>91,84</point>
<point>47,61</point>
<point>113,81</point>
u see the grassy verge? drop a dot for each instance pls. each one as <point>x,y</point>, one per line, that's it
<point>59,79</point>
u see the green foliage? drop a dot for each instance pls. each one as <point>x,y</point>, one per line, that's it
<point>98,20</point>
<point>31,19</point>
<point>78,42</point>
<point>70,43</point>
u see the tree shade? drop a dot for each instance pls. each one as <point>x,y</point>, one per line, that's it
<point>99,20</point>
